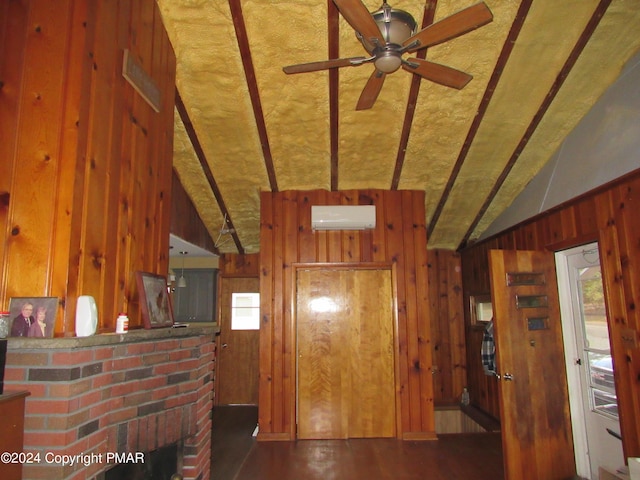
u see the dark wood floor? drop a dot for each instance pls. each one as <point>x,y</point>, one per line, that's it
<point>237,456</point>
<point>232,439</point>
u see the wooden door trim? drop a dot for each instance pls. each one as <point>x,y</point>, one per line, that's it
<point>391,267</point>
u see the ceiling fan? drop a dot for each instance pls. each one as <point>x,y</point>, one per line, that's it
<point>388,33</point>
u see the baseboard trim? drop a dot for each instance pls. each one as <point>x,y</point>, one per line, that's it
<point>273,437</point>
<point>419,436</point>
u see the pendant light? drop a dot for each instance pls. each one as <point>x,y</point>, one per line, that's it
<point>182,283</point>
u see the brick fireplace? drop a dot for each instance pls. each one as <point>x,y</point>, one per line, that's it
<point>102,400</point>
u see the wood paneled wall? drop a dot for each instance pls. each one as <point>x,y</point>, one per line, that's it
<point>185,221</point>
<point>286,238</point>
<point>610,216</point>
<point>85,176</point>
<point>235,265</point>
<point>447,326</point>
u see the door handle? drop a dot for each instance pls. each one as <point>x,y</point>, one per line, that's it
<point>507,376</point>
<point>224,345</point>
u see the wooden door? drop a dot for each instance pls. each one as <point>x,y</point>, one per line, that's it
<point>238,350</point>
<point>345,332</point>
<point>534,404</point>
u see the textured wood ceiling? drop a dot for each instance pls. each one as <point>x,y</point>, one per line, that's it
<point>243,126</point>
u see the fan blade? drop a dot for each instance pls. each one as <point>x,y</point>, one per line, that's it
<point>371,90</point>
<point>323,65</point>
<point>447,76</point>
<point>357,15</point>
<point>451,27</point>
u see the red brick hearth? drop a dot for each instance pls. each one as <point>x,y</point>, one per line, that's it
<point>93,399</point>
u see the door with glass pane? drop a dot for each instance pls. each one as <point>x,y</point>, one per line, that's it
<point>237,367</point>
<point>537,440</point>
<point>587,339</point>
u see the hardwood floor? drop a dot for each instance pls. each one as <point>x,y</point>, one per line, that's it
<point>232,439</point>
<point>237,456</point>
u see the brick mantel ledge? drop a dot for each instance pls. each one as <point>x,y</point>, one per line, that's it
<point>133,336</point>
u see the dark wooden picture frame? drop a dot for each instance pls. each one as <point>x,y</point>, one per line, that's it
<point>155,302</point>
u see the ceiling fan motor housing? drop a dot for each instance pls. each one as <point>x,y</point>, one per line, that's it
<point>396,26</point>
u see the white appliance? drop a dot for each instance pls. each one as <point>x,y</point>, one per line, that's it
<point>343,217</point>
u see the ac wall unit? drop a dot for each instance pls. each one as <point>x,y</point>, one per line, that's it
<point>343,217</point>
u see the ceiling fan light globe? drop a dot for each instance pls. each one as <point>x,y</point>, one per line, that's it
<point>388,63</point>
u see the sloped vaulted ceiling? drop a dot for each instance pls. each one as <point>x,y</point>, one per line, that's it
<point>537,69</point>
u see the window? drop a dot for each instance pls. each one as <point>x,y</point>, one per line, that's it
<point>245,311</point>
<point>596,341</point>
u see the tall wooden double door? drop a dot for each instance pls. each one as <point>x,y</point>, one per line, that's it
<point>345,327</point>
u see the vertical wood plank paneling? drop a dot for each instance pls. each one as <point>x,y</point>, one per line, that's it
<point>407,264</point>
<point>351,245</point>
<point>399,238</point>
<point>142,198</point>
<point>165,126</point>
<point>568,221</point>
<point>125,238</point>
<point>320,198</point>
<point>392,246</point>
<point>334,238</point>
<point>185,222</point>
<point>586,221</point>
<point>626,325</point>
<point>232,265</point>
<point>439,337</point>
<point>76,63</point>
<point>285,370</point>
<point>76,142</point>
<point>154,136</point>
<point>378,240</point>
<point>306,237</point>
<point>418,233</point>
<point>100,161</point>
<point>112,286</point>
<point>11,71</point>
<point>267,307</point>
<point>84,124</point>
<point>614,286</point>
<point>456,327</point>
<point>608,214</point>
<point>33,186</point>
<point>447,326</point>
<point>445,356</point>
<point>280,296</point>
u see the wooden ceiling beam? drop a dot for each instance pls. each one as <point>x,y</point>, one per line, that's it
<point>584,38</point>
<point>254,94</point>
<point>333,20</point>
<point>416,80</point>
<point>197,148</point>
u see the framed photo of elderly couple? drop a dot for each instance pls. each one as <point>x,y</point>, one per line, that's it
<point>33,317</point>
